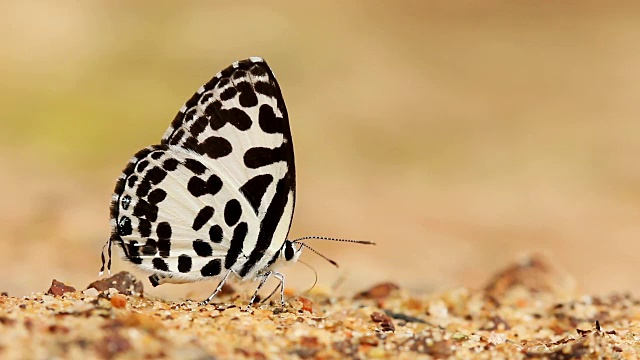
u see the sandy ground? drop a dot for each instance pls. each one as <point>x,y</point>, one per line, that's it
<point>528,310</point>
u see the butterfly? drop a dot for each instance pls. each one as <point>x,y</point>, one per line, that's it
<point>216,197</point>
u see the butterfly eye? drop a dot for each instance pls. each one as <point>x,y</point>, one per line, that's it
<point>288,251</point>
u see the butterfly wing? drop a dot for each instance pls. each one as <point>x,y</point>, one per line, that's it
<point>219,191</point>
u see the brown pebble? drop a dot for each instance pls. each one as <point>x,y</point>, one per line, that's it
<point>534,274</point>
<point>307,305</point>
<point>123,281</point>
<point>58,288</point>
<point>378,292</point>
<point>385,321</point>
<point>118,301</point>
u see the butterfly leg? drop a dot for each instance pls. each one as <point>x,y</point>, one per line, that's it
<point>280,277</point>
<point>222,282</point>
<point>265,277</point>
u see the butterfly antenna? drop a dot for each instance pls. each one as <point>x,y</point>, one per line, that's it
<point>315,274</point>
<point>299,241</point>
<point>271,294</point>
<point>322,256</point>
<point>333,239</point>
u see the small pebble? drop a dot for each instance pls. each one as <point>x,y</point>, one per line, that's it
<point>58,288</point>
<point>118,301</point>
<point>378,292</point>
<point>92,292</point>
<point>307,305</point>
<point>124,282</point>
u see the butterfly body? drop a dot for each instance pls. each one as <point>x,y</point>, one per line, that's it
<point>216,196</point>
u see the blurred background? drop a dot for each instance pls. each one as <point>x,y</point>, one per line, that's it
<point>458,136</point>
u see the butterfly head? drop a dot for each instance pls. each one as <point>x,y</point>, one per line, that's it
<point>290,252</point>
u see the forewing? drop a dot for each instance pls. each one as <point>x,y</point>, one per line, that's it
<point>238,121</point>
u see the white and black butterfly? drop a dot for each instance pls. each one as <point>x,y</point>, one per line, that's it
<point>216,196</point>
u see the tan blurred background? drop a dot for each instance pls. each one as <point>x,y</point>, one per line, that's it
<point>458,136</point>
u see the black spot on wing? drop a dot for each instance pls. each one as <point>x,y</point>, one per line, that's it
<point>215,234</point>
<point>124,226</point>
<point>224,80</point>
<point>132,249</point>
<point>266,88</point>
<point>142,165</point>
<point>206,97</point>
<point>189,116</point>
<point>155,175</point>
<point>156,196</point>
<point>144,227</point>
<point>143,189</point>
<point>214,184</point>
<point>160,264</point>
<point>215,147</point>
<point>268,121</point>
<point>196,186</point>
<point>255,188</point>
<point>257,70</point>
<point>212,268</point>
<point>184,263</point>
<point>198,126</point>
<point>150,248</point>
<point>156,155</point>
<point>213,112</point>
<point>260,156</point>
<point>164,247</point>
<point>237,118</point>
<point>195,166</point>
<point>146,210</point>
<point>202,248</point>
<point>163,230</point>
<point>247,96</point>
<point>170,164</point>
<point>131,181</point>
<point>228,93</point>
<point>235,246</point>
<point>239,74</point>
<point>232,212</point>
<point>204,215</point>
<point>125,202</point>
